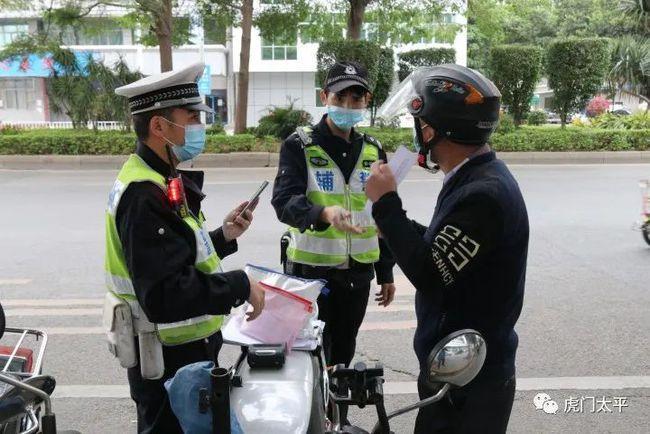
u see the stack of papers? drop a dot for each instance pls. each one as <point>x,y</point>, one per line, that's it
<point>232,335</point>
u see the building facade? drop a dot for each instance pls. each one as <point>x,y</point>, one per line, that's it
<point>282,71</point>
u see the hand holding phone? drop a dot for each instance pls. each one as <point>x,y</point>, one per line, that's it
<point>252,202</point>
<point>238,220</point>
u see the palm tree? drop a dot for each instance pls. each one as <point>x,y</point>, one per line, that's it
<point>630,71</point>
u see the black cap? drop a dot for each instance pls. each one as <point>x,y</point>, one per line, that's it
<point>346,74</point>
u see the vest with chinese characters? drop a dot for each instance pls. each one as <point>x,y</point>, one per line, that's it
<point>326,186</point>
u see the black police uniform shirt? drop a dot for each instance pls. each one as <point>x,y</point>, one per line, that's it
<point>469,265</point>
<point>160,252</point>
<point>294,209</point>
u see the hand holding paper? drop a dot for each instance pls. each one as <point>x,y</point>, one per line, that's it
<point>384,178</point>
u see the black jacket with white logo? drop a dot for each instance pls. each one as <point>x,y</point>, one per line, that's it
<point>469,265</point>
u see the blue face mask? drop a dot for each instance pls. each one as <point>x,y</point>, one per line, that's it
<point>345,118</point>
<point>194,142</point>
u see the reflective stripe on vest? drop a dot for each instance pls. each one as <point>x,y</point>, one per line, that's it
<point>118,279</point>
<point>326,186</point>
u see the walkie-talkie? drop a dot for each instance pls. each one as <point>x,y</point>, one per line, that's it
<point>175,190</point>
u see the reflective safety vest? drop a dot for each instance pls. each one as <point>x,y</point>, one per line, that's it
<point>118,279</point>
<point>326,186</point>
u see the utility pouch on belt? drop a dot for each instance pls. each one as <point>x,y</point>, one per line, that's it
<point>152,364</point>
<point>118,324</point>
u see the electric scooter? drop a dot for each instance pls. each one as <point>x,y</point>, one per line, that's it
<point>298,394</point>
<point>25,403</point>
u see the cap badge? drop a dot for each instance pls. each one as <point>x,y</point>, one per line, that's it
<point>350,70</point>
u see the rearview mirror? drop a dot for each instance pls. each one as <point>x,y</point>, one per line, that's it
<point>2,322</point>
<point>457,358</point>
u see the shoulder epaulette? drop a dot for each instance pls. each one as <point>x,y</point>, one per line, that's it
<point>372,141</point>
<point>304,134</point>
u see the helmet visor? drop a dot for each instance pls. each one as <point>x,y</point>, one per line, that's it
<point>398,101</point>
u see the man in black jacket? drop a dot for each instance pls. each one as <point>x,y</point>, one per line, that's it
<point>468,266</point>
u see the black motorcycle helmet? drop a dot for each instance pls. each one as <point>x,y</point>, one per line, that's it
<point>459,103</point>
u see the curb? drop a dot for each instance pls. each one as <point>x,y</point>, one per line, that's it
<point>269,159</point>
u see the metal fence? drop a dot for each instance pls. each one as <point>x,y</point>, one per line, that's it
<point>100,125</point>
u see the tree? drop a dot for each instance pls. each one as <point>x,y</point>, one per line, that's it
<point>365,52</point>
<point>410,60</point>
<point>107,105</point>
<point>629,71</point>
<point>79,86</point>
<point>237,13</point>
<point>385,73</point>
<point>538,22</point>
<point>484,29</point>
<point>391,21</point>
<point>515,70</point>
<point>387,22</point>
<point>630,63</point>
<point>155,16</point>
<point>576,70</point>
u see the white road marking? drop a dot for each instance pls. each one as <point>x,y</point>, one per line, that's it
<point>399,307</point>
<point>584,383</point>
<point>367,326</point>
<point>73,330</point>
<point>14,281</point>
<point>52,302</point>
<point>86,391</point>
<point>92,391</point>
<point>388,325</point>
<point>53,312</point>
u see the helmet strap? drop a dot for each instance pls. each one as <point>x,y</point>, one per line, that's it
<point>424,157</point>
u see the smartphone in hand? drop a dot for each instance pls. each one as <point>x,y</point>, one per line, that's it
<point>253,200</point>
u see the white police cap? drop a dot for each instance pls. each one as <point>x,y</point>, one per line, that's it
<point>176,88</point>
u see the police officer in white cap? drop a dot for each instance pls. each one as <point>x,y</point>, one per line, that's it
<point>160,259</point>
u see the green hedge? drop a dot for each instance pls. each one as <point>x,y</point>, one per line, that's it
<point>572,139</point>
<point>68,142</point>
<point>71,142</point>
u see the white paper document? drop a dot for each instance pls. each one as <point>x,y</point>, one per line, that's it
<point>400,164</point>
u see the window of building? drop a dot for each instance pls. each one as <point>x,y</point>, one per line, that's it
<point>369,32</point>
<point>10,31</point>
<point>94,32</point>
<point>18,93</point>
<point>79,37</point>
<point>280,48</point>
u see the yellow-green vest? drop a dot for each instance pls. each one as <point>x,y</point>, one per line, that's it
<point>118,279</point>
<point>326,186</point>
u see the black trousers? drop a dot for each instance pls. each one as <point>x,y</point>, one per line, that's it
<point>155,415</point>
<point>342,310</point>
<point>483,406</point>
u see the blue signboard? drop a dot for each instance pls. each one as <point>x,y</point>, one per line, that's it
<point>36,65</point>
<point>205,82</point>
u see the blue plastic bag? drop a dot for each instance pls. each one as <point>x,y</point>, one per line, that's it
<point>183,390</point>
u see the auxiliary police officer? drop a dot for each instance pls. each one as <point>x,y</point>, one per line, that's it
<point>469,265</point>
<point>160,259</point>
<point>319,193</point>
